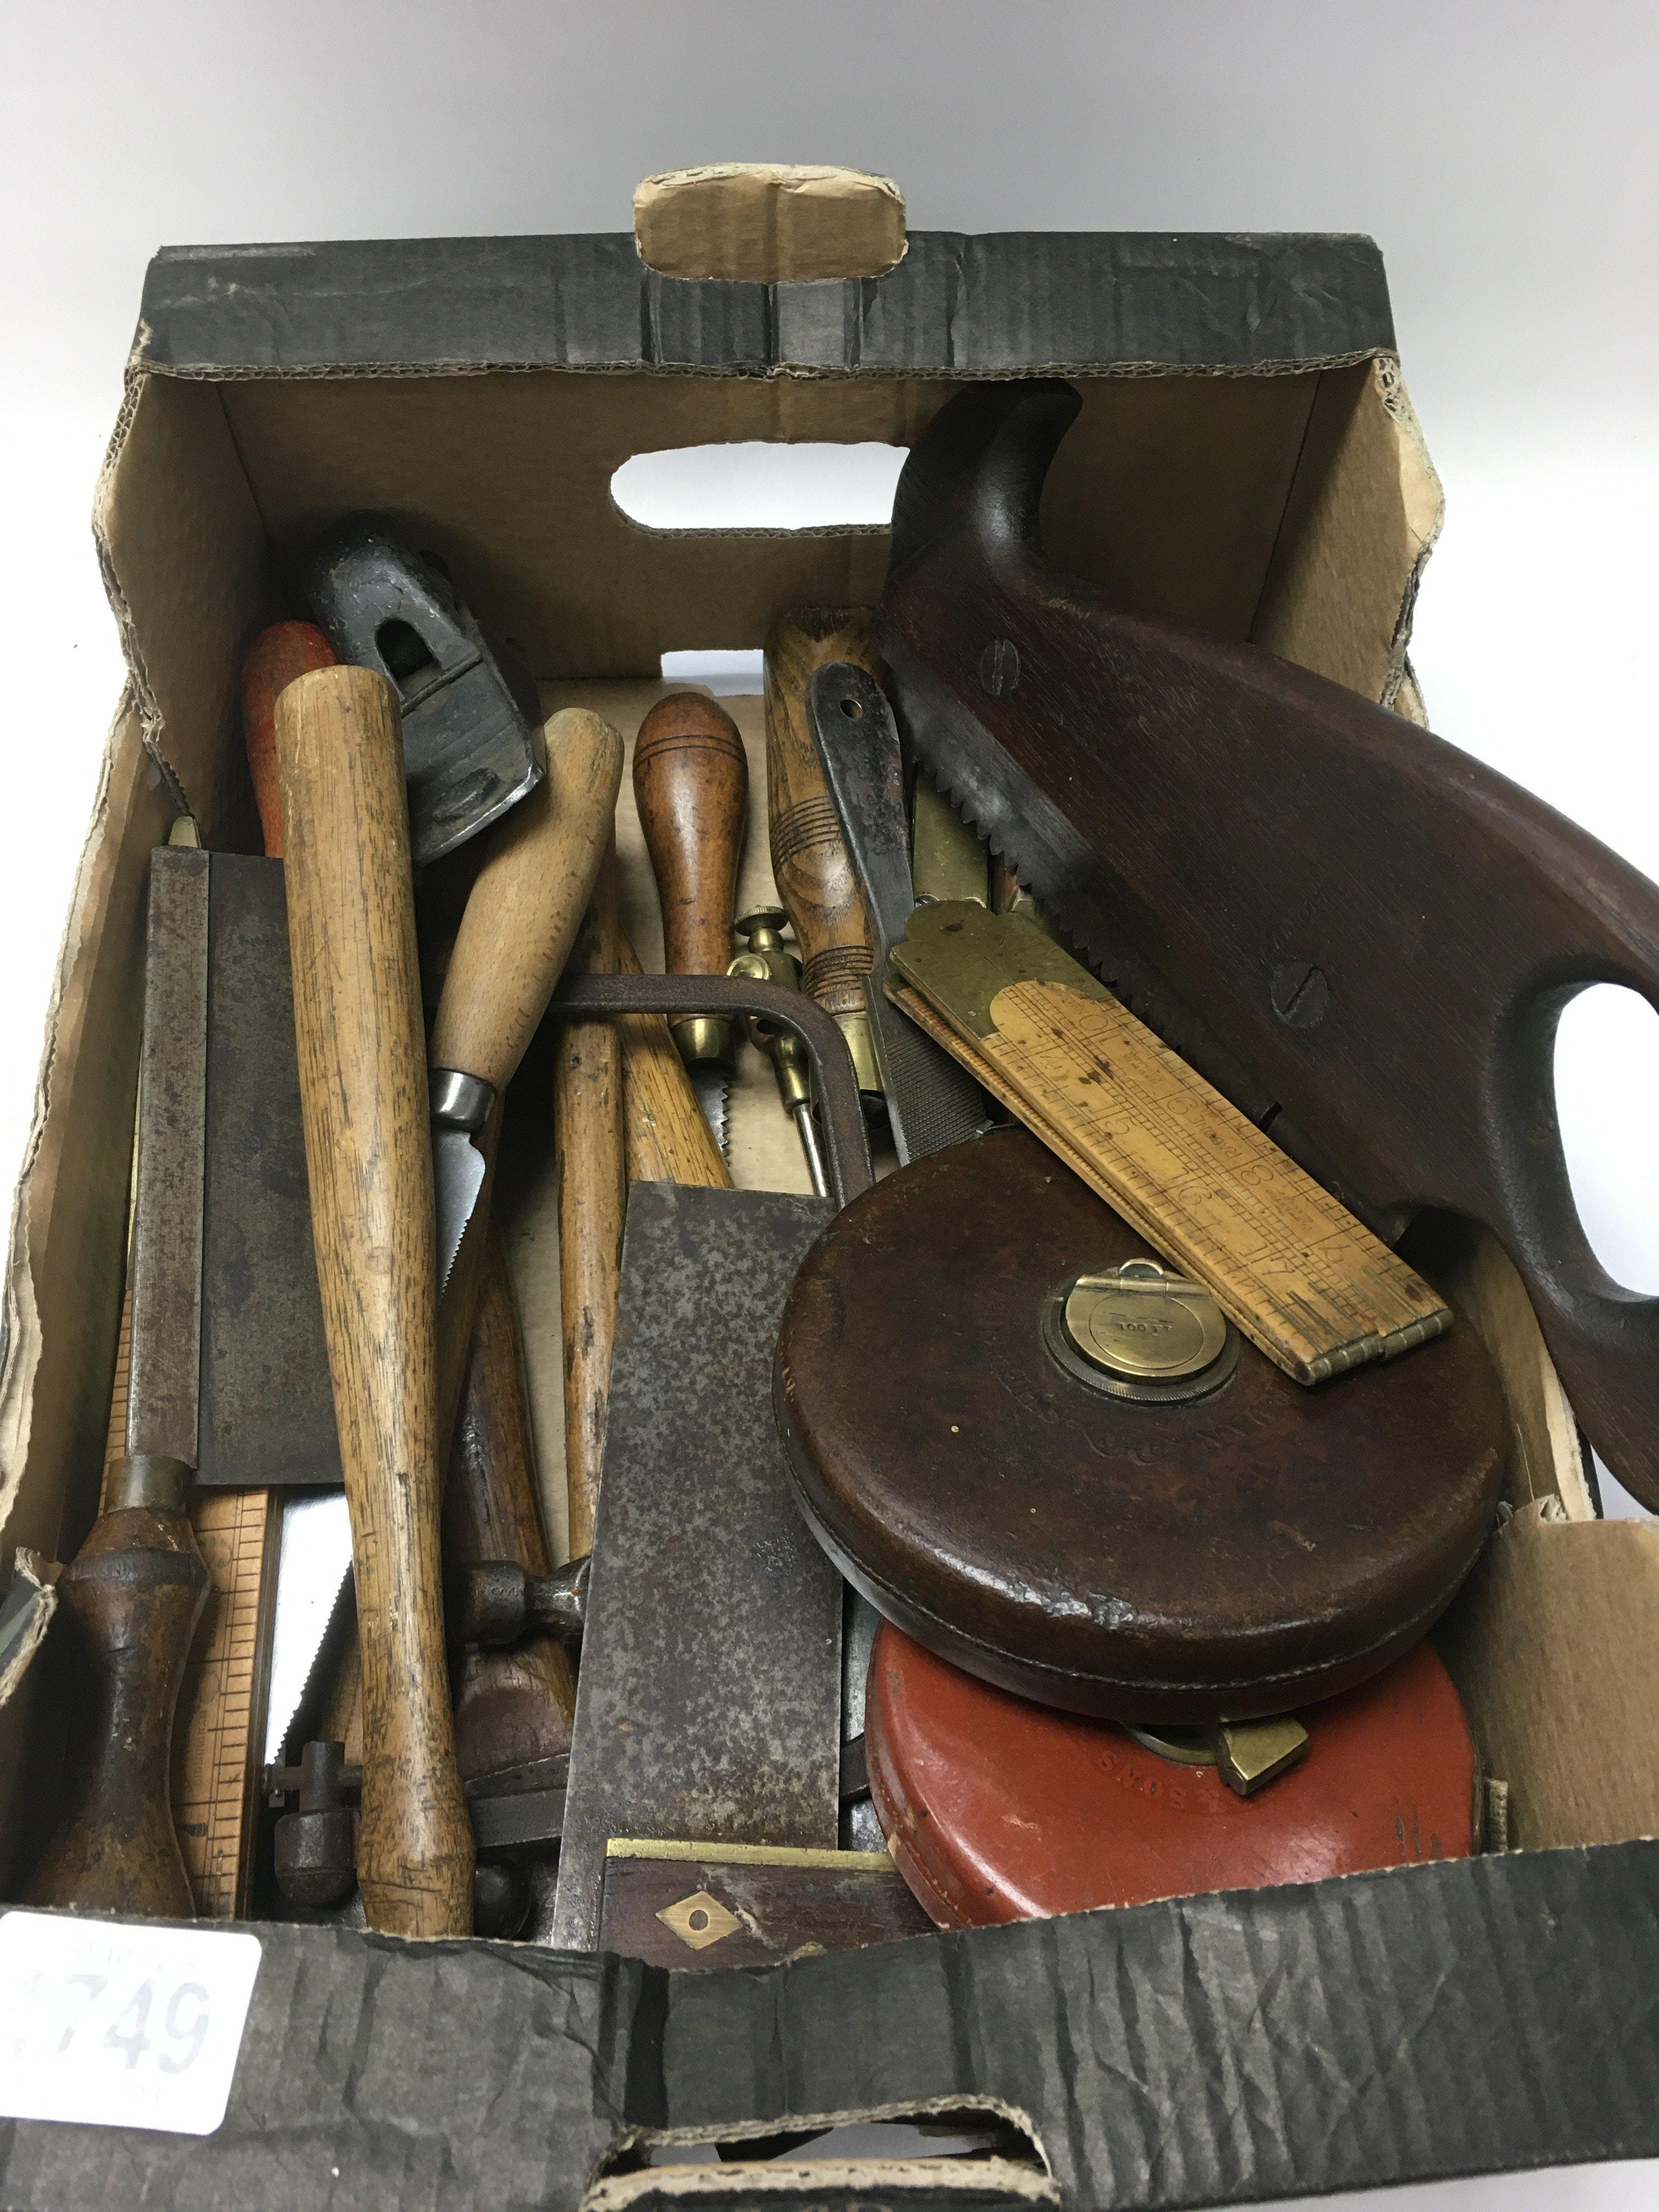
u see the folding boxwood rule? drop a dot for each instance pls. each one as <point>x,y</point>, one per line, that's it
<point>1245,457</point>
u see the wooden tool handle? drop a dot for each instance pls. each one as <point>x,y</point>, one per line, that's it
<point>129,1603</point>
<point>275,657</point>
<point>527,902</point>
<point>691,785</point>
<point>669,1139</point>
<point>363,1090</point>
<point>516,1705</point>
<point>593,1172</point>
<point>814,876</point>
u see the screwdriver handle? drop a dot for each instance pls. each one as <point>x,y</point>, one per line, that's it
<point>810,861</point>
<point>275,657</point>
<point>129,1603</point>
<point>518,1706</point>
<point>527,902</point>
<point>363,1097</point>
<point>691,787</point>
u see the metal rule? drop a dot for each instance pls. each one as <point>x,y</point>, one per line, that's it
<point>708,1703</point>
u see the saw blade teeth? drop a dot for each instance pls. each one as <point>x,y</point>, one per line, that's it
<point>992,838</point>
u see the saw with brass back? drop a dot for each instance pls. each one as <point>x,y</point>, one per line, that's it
<point>1309,1285</point>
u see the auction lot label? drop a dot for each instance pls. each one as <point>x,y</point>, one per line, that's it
<point>121,2024</point>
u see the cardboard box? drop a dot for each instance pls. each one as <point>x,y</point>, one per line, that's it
<point>1246,456</point>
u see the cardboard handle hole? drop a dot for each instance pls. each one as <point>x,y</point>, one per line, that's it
<point>757,484</point>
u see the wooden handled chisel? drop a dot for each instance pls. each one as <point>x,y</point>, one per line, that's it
<point>520,921</point>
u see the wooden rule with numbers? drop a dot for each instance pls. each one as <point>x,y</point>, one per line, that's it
<point>1298,1274</point>
<point>222,1710</point>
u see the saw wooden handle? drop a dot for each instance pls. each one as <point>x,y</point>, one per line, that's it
<point>1360,929</point>
<point>129,1603</point>
<point>669,1139</point>
<point>593,1174</point>
<point>527,902</point>
<point>363,1094</point>
<point>691,786</point>
<point>516,1705</point>
<point>814,875</point>
<point>275,657</point>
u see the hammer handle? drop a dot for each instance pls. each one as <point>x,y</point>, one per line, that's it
<point>129,1601</point>
<point>527,902</point>
<point>364,1095</point>
<point>691,786</point>
<point>815,879</point>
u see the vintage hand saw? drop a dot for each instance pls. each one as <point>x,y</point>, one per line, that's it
<point>1359,935</point>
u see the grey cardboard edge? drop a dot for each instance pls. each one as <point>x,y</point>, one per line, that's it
<point>1006,304</point>
<point>1474,2016</point>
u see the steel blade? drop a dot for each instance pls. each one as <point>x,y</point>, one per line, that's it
<point>1023,827</point>
<point>313,1578</point>
<point>267,1403</point>
<point>458,1177</point>
<point>708,1701</point>
<point>167,1237</point>
<point>931,1101</point>
<point>713,1088</point>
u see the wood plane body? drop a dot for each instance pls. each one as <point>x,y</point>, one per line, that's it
<point>1341,918</point>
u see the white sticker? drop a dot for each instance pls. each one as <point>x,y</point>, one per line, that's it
<point>121,2024</point>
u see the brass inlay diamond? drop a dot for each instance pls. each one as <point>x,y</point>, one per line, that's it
<point>699,1919</point>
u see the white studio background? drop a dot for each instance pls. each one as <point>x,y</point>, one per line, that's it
<point>1500,150</point>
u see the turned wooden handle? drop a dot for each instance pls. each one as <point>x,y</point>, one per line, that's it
<point>815,879</point>
<point>669,1139</point>
<point>592,1171</point>
<point>691,786</point>
<point>510,1706</point>
<point>364,1095</point>
<point>275,657</point>
<point>129,1604</point>
<point>527,902</point>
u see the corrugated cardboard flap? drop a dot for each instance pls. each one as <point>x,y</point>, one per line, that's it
<point>1479,2015</point>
